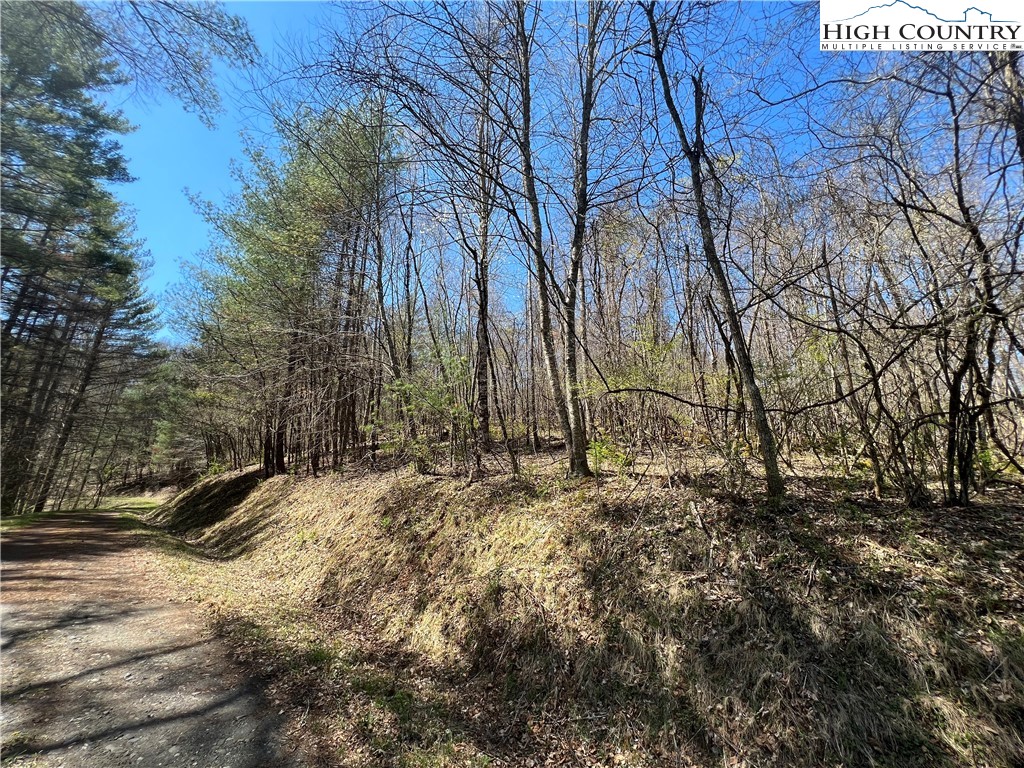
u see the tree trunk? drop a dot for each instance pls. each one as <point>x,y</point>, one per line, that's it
<point>536,225</point>
<point>695,153</point>
<point>66,427</point>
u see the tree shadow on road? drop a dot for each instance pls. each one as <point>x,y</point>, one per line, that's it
<point>99,672</point>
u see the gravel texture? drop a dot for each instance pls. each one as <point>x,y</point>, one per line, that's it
<point>100,668</point>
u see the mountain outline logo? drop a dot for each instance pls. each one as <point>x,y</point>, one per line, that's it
<point>911,6</point>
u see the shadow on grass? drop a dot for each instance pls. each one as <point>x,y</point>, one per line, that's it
<point>821,636</point>
<point>158,538</point>
<point>385,701</point>
<point>224,513</point>
<point>207,503</point>
<point>817,634</point>
<point>841,632</point>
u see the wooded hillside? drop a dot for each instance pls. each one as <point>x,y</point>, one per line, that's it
<point>567,383</point>
<point>651,234</point>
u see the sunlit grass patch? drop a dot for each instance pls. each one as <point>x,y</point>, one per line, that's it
<point>16,522</point>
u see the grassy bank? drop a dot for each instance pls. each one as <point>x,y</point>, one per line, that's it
<point>418,621</point>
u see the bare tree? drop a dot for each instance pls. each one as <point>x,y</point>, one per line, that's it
<point>694,148</point>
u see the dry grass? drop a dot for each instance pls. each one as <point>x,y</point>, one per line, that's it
<point>418,621</point>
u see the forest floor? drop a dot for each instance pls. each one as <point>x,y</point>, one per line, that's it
<point>101,669</point>
<point>409,621</point>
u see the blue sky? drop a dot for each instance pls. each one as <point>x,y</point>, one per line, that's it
<point>171,150</point>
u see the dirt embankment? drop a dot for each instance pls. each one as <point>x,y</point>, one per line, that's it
<point>418,621</point>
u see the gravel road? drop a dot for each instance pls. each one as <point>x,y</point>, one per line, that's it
<point>100,669</point>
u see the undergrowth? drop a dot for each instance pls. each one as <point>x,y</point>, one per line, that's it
<point>418,621</point>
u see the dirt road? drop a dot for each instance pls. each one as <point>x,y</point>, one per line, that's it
<point>101,669</point>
